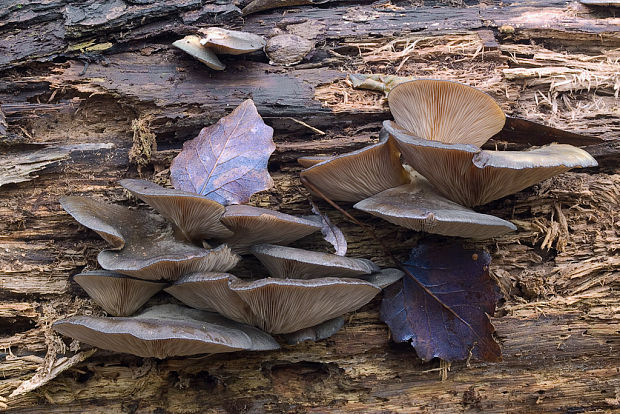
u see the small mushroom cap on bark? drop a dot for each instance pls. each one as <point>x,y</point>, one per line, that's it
<point>446,111</point>
<point>117,294</point>
<point>231,42</point>
<point>384,277</point>
<point>418,207</point>
<point>196,216</point>
<point>359,174</point>
<point>287,49</point>
<point>470,176</point>
<point>164,331</point>
<point>310,160</point>
<point>255,225</point>
<point>275,305</point>
<point>116,224</point>
<point>166,259</point>
<point>191,45</point>
<point>289,262</point>
<point>315,333</point>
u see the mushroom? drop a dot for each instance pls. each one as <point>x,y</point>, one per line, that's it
<point>445,111</point>
<point>255,225</point>
<point>164,331</point>
<point>148,247</point>
<point>359,174</point>
<point>470,176</point>
<point>418,207</point>
<point>310,160</point>
<point>231,42</point>
<point>196,216</point>
<point>287,49</point>
<point>117,294</point>
<point>274,305</point>
<point>315,333</point>
<point>289,262</point>
<point>384,277</point>
<point>191,45</point>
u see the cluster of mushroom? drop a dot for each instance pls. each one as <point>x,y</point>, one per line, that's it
<point>304,299</point>
<point>438,128</point>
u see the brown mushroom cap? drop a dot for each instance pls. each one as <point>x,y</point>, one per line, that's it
<point>117,294</point>
<point>115,224</point>
<point>310,160</point>
<point>471,176</point>
<point>289,262</point>
<point>445,111</point>
<point>164,331</point>
<point>275,305</point>
<point>231,42</point>
<point>167,259</point>
<point>255,225</point>
<point>418,207</point>
<point>359,174</point>
<point>196,216</point>
<point>191,45</point>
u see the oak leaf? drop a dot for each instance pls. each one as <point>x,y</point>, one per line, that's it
<point>443,309</point>
<point>227,161</point>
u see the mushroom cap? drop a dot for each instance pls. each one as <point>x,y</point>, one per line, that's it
<point>255,225</point>
<point>315,333</point>
<point>310,160</point>
<point>196,216</point>
<point>446,111</point>
<point>470,176</point>
<point>289,262</point>
<point>117,294</point>
<point>164,331</point>
<point>384,277</point>
<point>167,259</point>
<point>359,174</point>
<point>115,224</point>
<point>287,49</point>
<point>191,45</point>
<point>275,305</point>
<point>231,42</point>
<point>418,207</point>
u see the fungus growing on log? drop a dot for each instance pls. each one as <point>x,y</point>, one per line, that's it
<point>231,42</point>
<point>164,331</point>
<point>191,45</point>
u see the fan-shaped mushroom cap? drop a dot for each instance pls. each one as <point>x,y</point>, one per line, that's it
<point>167,259</point>
<point>315,333</point>
<point>275,305</point>
<point>311,160</point>
<point>289,262</point>
<point>359,174</point>
<point>196,216</point>
<point>164,331</point>
<point>255,225</point>
<point>445,111</point>
<point>191,45</point>
<point>471,176</point>
<point>231,42</point>
<point>384,277</point>
<point>418,207</point>
<point>117,294</point>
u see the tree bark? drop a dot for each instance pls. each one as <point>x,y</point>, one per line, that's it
<point>71,132</point>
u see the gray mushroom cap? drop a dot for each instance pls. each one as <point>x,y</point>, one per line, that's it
<point>470,176</point>
<point>191,45</point>
<point>418,207</point>
<point>289,262</point>
<point>445,111</point>
<point>118,295</point>
<point>196,216</point>
<point>231,42</point>
<point>255,225</point>
<point>359,174</point>
<point>164,331</point>
<point>315,333</point>
<point>274,305</point>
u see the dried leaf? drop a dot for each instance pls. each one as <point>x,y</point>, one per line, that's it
<point>331,232</point>
<point>227,161</point>
<point>444,310</point>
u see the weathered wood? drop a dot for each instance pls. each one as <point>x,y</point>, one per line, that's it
<point>548,61</point>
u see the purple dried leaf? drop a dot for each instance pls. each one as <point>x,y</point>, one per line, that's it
<point>331,232</point>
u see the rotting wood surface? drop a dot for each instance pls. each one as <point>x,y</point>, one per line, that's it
<point>548,61</point>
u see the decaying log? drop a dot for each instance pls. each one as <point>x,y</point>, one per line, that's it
<point>69,131</point>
